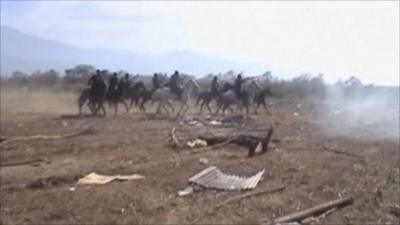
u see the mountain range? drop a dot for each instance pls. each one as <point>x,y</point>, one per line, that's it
<point>27,53</point>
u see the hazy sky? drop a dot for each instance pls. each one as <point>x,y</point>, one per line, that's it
<point>337,38</point>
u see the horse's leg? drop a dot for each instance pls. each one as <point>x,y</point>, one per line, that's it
<point>208,107</point>
<point>131,103</point>
<point>115,108</point>
<point>81,102</point>
<point>126,105</point>
<point>265,107</point>
<point>186,105</point>
<point>256,107</point>
<point>158,111</point>
<point>219,105</point>
<point>165,107</point>
<point>103,108</point>
<point>171,106</point>
<point>201,107</point>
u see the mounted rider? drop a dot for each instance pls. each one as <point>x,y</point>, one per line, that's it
<point>238,85</point>
<point>173,85</point>
<point>124,84</point>
<point>214,85</point>
<point>112,85</point>
<point>156,81</point>
<point>97,85</point>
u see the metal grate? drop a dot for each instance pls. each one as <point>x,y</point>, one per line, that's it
<point>212,177</point>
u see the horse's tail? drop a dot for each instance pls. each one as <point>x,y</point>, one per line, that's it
<point>199,98</point>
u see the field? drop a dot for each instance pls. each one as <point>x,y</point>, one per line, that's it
<point>40,193</point>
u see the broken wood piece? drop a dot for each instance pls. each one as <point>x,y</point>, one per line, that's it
<point>325,148</point>
<point>250,141</point>
<point>251,194</point>
<point>174,139</point>
<point>45,137</point>
<point>24,162</point>
<point>316,210</point>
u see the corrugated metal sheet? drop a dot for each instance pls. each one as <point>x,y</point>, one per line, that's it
<point>212,177</point>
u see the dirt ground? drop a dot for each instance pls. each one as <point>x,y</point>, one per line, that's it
<point>40,193</point>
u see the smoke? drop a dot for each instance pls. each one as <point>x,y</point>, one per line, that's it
<point>370,113</point>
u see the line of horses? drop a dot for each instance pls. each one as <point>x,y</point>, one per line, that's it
<point>224,98</point>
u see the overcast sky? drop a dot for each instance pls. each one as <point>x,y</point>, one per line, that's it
<point>337,38</point>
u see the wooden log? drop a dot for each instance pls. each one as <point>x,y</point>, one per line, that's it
<point>24,162</point>
<point>251,194</point>
<point>325,148</point>
<point>45,137</point>
<point>316,210</point>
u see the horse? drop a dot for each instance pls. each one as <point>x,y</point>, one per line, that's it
<point>259,99</point>
<point>136,93</point>
<point>95,100</point>
<point>225,99</point>
<point>164,96</point>
<point>206,97</point>
<point>118,96</point>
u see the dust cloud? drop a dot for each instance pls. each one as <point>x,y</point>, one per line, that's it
<point>371,115</point>
<point>21,101</point>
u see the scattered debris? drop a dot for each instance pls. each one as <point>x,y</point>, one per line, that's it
<point>296,114</point>
<point>45,137</point>
<point>212,177</point>
<point>247,195</point>
<point>187,191</point>
<point>95,178</point>
<point>255,144</point>
<point>33,161</point>
<point>197,143</point>
<point>203,160</point>
<point>174,139</point>
<point>215,123</point>
<point>316,210</point>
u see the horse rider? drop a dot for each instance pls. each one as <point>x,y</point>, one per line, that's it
<point>238,85</point>
<point>93,82</point>
<point>124,84</point>
<point>156,81</point>
<point>214,85</point>
<point>92,79</point>
<point>113,80</point>
<point>173,85</point>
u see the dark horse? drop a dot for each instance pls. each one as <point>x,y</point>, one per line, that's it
<point>95,99</point>
<point>259,99</point>
<point>140,94</point>
<point>241,99</point>
<point>206,97</point>
<point>118,96</point>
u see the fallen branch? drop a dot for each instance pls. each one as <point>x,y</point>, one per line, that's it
<point>174,139</point>
<point>316,210</point>
<point>251,194</point>
<point>249,141</point>
<point>325,148</point>
<point>24,162</point>
<point>45,137</point>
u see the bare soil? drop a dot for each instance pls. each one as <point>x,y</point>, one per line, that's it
<point>40,193</point>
